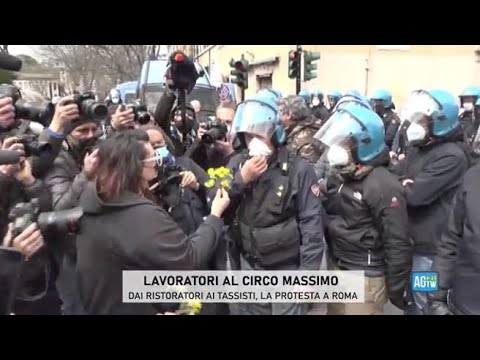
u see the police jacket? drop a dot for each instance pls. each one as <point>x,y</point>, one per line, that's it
<point>458,253</point>
<point>321,112</point>
<point>391,122</point>
<point>278,216</point>
<point>469,125</point>
<point>437,171</point>
<point>133,233</point>
<point>400,141</point>
<point>368,225</point>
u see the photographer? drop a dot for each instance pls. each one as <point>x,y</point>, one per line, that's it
<point>11,124</point>
<point>180,79</point>
<point>67,179</point>
<point>219,152</point>
<point>179,187</point>
<point>123,230</point>
<point>18,185</point>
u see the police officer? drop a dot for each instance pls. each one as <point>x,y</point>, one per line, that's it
<point>305,95</point>
<point>319,109</point>
<point>468,98</point>
<point>432,172</point>
<point>366,207</point>
<point>322,166</point>
<point>333,97</point>
<point>456,261</point>
<point>383,105</point>
<point>353,92</point>
<point>300,128</point>
<point>275,199</point>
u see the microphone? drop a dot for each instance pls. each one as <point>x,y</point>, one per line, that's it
<point>8,157</point>
<point>9,62</point>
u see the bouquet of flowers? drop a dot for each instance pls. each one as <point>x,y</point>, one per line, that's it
<point>221,176</point>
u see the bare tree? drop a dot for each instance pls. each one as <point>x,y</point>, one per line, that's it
<point>102,64</point>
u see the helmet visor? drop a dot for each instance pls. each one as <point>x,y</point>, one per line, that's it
<point>420,108</point>
<point>255,118</point>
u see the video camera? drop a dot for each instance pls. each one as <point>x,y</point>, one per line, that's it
<point>32,146</point>
<point>61,222</point>
<point>140,112</point>
<point>89,107</point>
<point>216,130</point>
<point>41,114</point>
<point>182,72</point>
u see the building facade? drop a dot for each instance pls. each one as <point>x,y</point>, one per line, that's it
<point>399,68</point>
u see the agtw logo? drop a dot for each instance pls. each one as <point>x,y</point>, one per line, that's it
<point>424,281</point>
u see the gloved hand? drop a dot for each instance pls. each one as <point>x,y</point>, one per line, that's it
<point>438,308</point>
<point>401,300</point>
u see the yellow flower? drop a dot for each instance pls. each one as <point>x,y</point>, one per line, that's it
<point>210,184</point>
<point>225,184</point>
<point>211,172</point>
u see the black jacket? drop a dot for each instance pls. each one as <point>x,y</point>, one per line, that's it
<point>133,233</point>
<point>186,206</point>
<point>458,255</point>
<point>66,183</point>
<point>391,122</point>
<point>368,226</point>
<point>437,171</point>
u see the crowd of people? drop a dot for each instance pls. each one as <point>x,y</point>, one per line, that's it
<point>335,178</point>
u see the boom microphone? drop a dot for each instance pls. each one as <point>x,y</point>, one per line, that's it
<point>9,62</point>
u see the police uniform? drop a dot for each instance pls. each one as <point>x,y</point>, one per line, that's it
<point>277,223</point>
<point>391,121</point>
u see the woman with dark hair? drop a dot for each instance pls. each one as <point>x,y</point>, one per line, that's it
<point>123,230</point>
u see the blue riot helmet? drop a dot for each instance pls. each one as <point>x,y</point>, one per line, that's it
<point>333,97</point>
<point>317,97</point>
<point>305,94</point>
<point>354,135</point>
<point>468,97</point>
<point>259,116</point>
<point>357,99</point>
<point>269,93</point>
<point>353,93</point>
<point>382,98</point>
<point>431,114</point>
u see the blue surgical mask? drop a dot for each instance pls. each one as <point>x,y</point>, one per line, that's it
<point>167,158</point>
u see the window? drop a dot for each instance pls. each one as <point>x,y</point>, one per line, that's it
<point>394,47</point>
<point>264,82</point>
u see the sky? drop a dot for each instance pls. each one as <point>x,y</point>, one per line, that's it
<point>22,49</point>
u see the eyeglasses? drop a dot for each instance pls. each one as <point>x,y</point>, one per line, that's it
<point>157,158</point>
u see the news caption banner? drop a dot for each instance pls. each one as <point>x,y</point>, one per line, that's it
<point>244,286</point>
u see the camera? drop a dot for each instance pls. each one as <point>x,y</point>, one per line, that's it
<point>182,72</point>
<point>216,130</point>
<point>32,146</point>
<point>168,175</point>
<point>140,112</point>
<point>41,114</point>
<point>61,222</point>
<point>89,107</point>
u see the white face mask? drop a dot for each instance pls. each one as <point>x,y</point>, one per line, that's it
<point>257,147</point>
<point>338,156</point>
<point>315,101</point>
<point>416,132</point>
<point>468,106</point>
<point>115,100</point>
